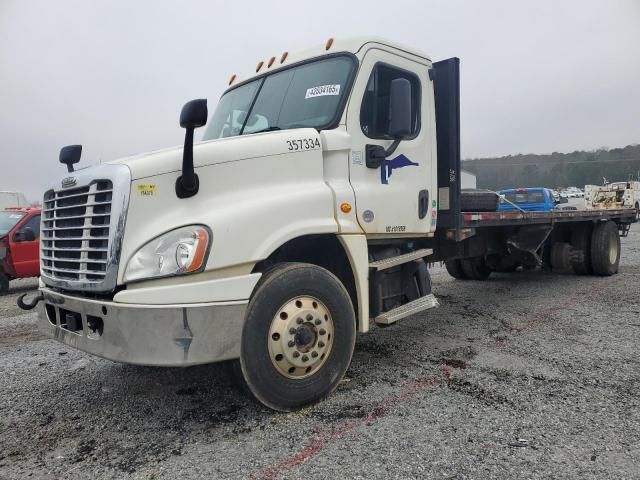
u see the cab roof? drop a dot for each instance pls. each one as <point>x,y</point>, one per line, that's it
<point>331,46</point>
<point>23,209</point>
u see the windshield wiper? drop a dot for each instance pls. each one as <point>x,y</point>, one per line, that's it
<point>268,129</point>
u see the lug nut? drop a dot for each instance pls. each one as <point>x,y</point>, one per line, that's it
<point>299,321</point>
<point>291,343</point>
<point>322,331</point>
<point>296,354</point>
<point>305,358</point>
<point>317,322</point>
<point>292,331</point>
<point>314,354</point>
<point>321,344</point>
<point>309,317</point>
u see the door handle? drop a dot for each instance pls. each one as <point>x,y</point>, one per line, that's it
<point>423,203</point>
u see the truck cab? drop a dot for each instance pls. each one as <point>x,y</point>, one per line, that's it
<point>308,211</point>
<point>19,244</point>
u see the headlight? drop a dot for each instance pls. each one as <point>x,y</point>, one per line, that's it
<point>180,251</point>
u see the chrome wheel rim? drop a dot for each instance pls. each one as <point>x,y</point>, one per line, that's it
<point>300,337</point>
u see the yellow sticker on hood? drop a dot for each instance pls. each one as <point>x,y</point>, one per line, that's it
<point>146,189</point>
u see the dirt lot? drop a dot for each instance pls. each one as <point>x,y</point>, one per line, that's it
<point>527,375</point>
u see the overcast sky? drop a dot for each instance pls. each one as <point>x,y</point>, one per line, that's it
<point>537,76</point>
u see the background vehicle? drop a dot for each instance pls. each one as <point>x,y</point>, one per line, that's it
<point>12,199</point>
<point>528,199</point>
<point>19,244</point>
<point>614,195</point>
<point>308,212</point>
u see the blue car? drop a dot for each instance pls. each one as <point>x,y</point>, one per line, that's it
<point>528,199</point>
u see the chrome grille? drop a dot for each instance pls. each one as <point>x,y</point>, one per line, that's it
<point>81,230</point>
<point>75,232</point>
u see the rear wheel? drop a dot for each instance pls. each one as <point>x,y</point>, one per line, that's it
<point>298,336</point>
<point>581,252</point>
<point>561,257</point>
<point>605,249</point>
<point>476,268</point>
<point>4,283</point>
<point>454,267</point>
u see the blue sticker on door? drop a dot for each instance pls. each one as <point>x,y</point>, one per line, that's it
<point>388,166</point>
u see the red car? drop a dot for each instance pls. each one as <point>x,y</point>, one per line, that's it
<point>19,244</point>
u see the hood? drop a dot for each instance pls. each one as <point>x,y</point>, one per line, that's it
<point>213,152</point>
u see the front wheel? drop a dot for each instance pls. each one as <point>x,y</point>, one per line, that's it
<point>298,337</point>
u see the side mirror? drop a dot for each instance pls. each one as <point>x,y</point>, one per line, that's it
<point>70,155</point>
<point>28,234</point>
<point>400,108</point>
<point>25,235</point>
<point>399,122</point>
<point>194,115</point>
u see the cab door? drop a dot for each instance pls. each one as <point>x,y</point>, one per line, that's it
<point>25,253</point>
<point>399,196</point>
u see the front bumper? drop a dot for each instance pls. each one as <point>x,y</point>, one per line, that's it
<point>162,335</point>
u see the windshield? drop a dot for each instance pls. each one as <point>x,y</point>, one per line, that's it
<point>8,220</point>
<point>309,95</point>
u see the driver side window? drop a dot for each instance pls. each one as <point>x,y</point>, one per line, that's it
<point>374,112</point>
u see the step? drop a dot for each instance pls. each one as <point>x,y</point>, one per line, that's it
<point>400,259</point>
<point>418,305</point>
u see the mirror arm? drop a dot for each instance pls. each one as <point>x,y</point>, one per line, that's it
<point>392,148</point>
<point>375,154</point>
<point>187,184</point>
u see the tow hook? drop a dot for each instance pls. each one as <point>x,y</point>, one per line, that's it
<point>32,304</point>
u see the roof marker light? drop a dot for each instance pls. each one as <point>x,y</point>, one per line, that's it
<point>233,77</point>
<point>328,44</point>
<point>259,66</point>
<point>271,60</point>
<point>284,57</point>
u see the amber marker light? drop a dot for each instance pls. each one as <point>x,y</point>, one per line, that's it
<point>284,57</point>
<point>233,77</point>
<point>328,44</point>
<point>271,60</point>
<point>259,66</point>
<point>345,207</point>
<point>201,249</point>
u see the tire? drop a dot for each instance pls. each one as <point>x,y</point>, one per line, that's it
<point>560,257</point>
<point>581,252</point>
<point>637,212</point>
<point>476,268</point>
<point>605,249</point>
<point>454,267</point>
<point>293,309</point>
<point>4,283</point>
<point>478,201</point>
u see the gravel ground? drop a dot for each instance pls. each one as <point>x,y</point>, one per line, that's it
<point>527,375</point>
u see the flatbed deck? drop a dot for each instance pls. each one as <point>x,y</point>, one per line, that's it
<point>499,219</point>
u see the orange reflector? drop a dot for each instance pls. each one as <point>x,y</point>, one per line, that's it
<point>271,60</point>
<point>329,43</point>
<point>233,77</point>
<point>284,57</point>
<point>201,248</point>
<point>345,207</point>
<point>259,66</point>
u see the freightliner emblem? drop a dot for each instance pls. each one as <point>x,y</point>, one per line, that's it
<point>68,182</point>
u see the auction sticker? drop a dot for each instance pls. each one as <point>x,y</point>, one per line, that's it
<point>322,90</point>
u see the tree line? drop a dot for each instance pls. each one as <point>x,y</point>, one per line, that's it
<point>577,168</point>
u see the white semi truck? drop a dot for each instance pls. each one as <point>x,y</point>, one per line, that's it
<point>324,183</point>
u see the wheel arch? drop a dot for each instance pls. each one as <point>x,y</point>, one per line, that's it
<point>343,255</point>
